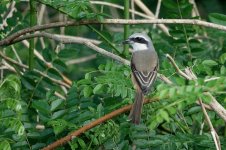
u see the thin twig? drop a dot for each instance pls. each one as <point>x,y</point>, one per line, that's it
<point>177,68</point>
<point>214,104</point>
<point>106,53</point>
<point>9,39</point>
<point>211,79</point>
<point>35,70</point>
<point>157,11</point>
<point>218,108</point>
<point>7,14</point>
<point>49,65</point>
<point>81,60</point>
<point>165,79</point>
<point>40,20</point>
<point>133,9</point>
<point>16,54</point>
<point>8,66</point>
<point>60,38</point>
<point>212,130</point>
<point>195,11</point>
<point>91,125</point>
<point>143,7</point>
<point>161,26</point>
<point>121,7</point>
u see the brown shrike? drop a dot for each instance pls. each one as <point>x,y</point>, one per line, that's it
<point>144,66</point>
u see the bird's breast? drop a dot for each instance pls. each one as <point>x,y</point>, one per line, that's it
<point>145,61</point>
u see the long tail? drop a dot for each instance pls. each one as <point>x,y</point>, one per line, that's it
<point>135,113</point>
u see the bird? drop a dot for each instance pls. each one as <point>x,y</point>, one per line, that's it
<point>144,66</point>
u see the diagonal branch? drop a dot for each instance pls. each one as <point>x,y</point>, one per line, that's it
<point>88,42</point>
<point>177,68</point>
<point>83,129</point>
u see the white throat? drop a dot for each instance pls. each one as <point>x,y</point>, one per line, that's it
<point>139,46</point>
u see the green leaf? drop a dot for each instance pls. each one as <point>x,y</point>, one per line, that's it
<point>85,81</point>
<point>60,65</point>
<point>124,92</point>
<point>153,125</point>
<point>97,88</point>
<point>189,88</point>
<point>42,106</point>
<point>4,145</point>
<point>56,104</point>
<point>81,143</point>
<point>58,114</point>
<point>88,76</point>
<point>164,115</point>
<point>209,63</point>
<point>223,70</point>
<point>163,93</point>
<point>54,74</point>
<point>68,53</point>
<point>223,58</point>
<point>47,54</point>
<point>218,18</point>
<point>59,125</point>
<point>87,91</point>
<point>155,142</point>
<point>38,146</point>
<point>206,98</point>
<point>194,110</point>
<point>172,92</point>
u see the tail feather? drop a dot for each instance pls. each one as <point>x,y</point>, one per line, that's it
<point>135,113</point>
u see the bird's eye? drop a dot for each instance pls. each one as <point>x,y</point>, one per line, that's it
<point>138,39</point>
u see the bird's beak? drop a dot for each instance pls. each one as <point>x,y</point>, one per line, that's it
<point>126,42</point>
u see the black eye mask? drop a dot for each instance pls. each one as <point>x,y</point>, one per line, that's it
<point>139,40</point>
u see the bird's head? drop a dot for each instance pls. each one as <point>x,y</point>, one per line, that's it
<point>139,42</point>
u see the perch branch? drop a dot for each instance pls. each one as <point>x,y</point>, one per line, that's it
<point>92,124</point>
<point>88,42</point>
<point>106,53</point>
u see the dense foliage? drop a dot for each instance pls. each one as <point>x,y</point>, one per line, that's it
<point>33,114</point>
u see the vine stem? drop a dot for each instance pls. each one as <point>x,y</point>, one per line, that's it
<point>126,26</point>
<point>33,21</point>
